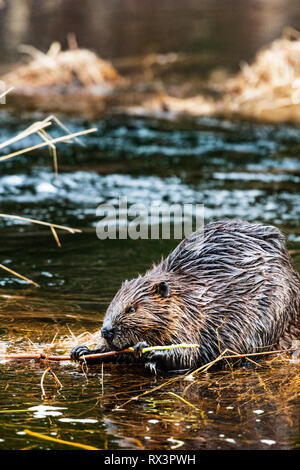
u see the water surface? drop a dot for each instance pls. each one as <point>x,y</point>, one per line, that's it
<point>236,169</point>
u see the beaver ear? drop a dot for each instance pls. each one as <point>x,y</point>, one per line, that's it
<point>163,289</point>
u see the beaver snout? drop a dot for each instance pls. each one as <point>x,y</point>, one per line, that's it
<point>107,332</point>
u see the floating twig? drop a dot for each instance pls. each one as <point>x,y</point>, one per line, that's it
<point>43,377</point>
<point>59,441</point>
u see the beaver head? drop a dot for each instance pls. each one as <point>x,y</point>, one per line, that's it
<point>150,308</point>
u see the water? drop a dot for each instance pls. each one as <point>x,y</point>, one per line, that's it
<point>211,32</point>
<point>236,169</point>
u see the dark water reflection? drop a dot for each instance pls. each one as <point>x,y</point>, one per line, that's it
<point>218,32</point>
<point>122,407</point>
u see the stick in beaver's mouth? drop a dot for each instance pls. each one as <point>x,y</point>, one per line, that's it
<point>92,356</point>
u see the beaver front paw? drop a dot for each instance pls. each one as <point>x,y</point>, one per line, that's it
<point>138,348</point>
<point>156,361</point>
<point>79,351</point>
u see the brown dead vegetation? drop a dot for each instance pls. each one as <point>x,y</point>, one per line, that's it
<point>268,89</point>
<point>75,67</point>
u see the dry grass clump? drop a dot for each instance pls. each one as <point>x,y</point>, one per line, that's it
<point>57,68</point>
<point>268,89</point>
<point>194,106</point>
<point>270,83</point>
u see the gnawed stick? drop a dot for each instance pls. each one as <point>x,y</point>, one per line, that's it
<point>92,356</point>
<point>42,356</point>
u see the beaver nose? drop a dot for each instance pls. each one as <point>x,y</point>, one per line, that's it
<point>107,332</point>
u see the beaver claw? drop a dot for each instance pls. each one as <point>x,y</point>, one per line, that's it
<point>79,351</point>
<point>138,348</point>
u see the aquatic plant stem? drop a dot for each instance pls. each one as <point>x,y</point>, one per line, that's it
<point>45,144</point>
<point>11,271</point>
<point>59,441</point>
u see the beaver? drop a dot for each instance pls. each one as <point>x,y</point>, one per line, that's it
<point>231,285</point>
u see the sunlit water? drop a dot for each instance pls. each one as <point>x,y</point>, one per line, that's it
<point>236,170</point>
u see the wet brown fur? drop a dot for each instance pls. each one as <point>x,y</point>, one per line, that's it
<point>234,288</point>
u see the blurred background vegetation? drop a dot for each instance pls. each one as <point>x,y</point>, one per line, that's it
<point>221,32</point>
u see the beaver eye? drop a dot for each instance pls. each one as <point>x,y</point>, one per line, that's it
<point>130,310</point>
<point>163,289</point>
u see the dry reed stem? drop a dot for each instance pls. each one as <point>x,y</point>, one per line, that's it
<point>39,128</point>
<point>40,222</point>
<point>18,275</point>
<point>32,129</point>
<point>43,378</point>
<point>55,236</point>
<point>47,143</point>
<point>6,92</point>
<point>183,400</point>
<point>223,356</point>
<point>48,224</point>
<point>47,138</point>
<point>59,441</point>
<point>52,117</point>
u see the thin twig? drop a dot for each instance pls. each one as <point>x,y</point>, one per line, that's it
<point>42,381</point>
<point>59,441</point>
<point>64,138</point>
<point>11,271</point>
<point>223,356</point>
<point>42,356</point>
<point>6,91</point>
<point>183,400</point>
<point>40,222</point>
<point>131,350</point>
<point>55,236</point>
<point>53,375</point>
<point>32,129</point>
